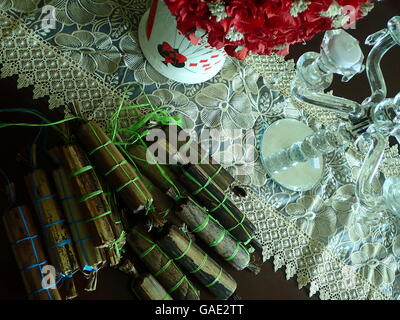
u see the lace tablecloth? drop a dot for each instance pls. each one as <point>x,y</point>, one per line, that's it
<point>90,54</point>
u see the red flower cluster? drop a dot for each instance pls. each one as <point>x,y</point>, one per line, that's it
<point>261,26</point>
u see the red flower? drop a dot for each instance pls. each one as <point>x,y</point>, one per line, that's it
<point>266,26</point>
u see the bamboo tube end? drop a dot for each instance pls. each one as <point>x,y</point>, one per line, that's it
<point>256,262</point>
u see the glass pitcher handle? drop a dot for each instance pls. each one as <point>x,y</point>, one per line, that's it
<point>370,198</point>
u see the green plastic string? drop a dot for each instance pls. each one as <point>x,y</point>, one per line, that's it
<point>82,170</point>
<point>160,115</point>
<point>215,280</point>
<point>47,123</point>
<point>167,296</point>
<point>209,180</point>
<point>98,216</point>
<point>166,213</point>
<point>146,252</point>
<point>220,204</point>
<point>203,225</point>
<point>239,224</point>
<point>178,284</point>
<point>116,244</point>
<point>234,254</point>
<point>90,195</point>
<point>100,147</point>
<point>115,167</point>
<point>188,175</point>
<point>128,183</point>
<point>219,239</point>
<point>115,117</point>
<point>163,268</point>
<point>201,265</point>
<point>184,253</point>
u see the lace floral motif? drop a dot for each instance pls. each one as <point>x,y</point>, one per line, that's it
<point>374,263</point>
<point>225,110</point>
<point>176,103</point>
<point>312,216</point>
<point>80,12</point>
<point>241,159</point>
<point>19,5</point>
<point>93,56</point>
<point>93,50</point>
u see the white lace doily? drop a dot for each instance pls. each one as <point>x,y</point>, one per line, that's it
<point>90,55</point>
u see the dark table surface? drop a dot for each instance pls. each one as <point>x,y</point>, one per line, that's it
<point>113,284</point>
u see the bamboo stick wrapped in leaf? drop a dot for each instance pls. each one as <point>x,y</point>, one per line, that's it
<point>208,229</point>
<point>163,204</point>
<point>161,266</point>
<point>115,251</point>
<point>116,169</point>
<point>89,256</point>
<point>201,186</point>
<point>159,174</point>
<point>194,260</point>
<point>54,226</point>
<point>146,287</point>
<point>29,253</point>
<point>93,204</point>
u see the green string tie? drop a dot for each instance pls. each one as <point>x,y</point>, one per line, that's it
<point>203,225</point>
<point>163,268</point>
<point>239,224</point>
<point>100,147</point>
<point>166,213</point>
<point>220,204</point>
<point>184,252</point>
<point>209,180</point>
<point>81,170</point>
<point>235,252</point>
<point>147,251</point>
<point>116,243</point>
<point>219,239</point>
<point>115,167</point>
<point>177,284</point>
<point>215,280</point>
<point>99,216</point>
<point>127,183</point>
<point>90,195</point>
<point>201,265</point>
<point>167,296</point>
